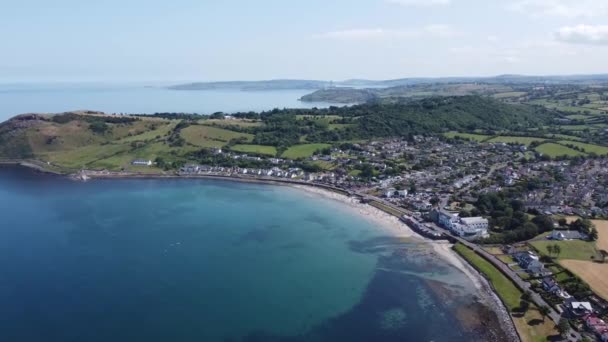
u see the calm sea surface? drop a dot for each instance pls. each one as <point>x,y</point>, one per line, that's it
<point>195,260</point>
<point>122,98</point>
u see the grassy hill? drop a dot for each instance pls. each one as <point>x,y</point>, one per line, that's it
<point>92,140</point>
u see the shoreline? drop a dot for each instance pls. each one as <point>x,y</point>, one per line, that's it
<point>387,222</point>
<point>399,229</point>
<point>443,249</point>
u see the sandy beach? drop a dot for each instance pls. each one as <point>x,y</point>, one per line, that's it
<point>395,227</point>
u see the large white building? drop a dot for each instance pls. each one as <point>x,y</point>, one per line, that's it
<point>470,228</point>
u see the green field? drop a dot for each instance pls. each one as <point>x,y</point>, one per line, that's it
<point>578,117</point>
<point>509,94</point>
<point>563,136</point>
<point>468,136</point>
<point>257,149</point>
<point>556,150</point>
<point>303,151</point>
<point>516,140</point>
<point>577,127</point>
<point>574,249</point>
<point>505,289</point>
<point>227,123</point>
<point>588,148</point>
<point>207,136</point>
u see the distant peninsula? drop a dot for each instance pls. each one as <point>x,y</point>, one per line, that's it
<point>253,85</point>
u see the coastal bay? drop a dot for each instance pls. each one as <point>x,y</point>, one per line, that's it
<point>172,256</point>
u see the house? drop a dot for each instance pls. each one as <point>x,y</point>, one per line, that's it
<point>561,235</point>
<point>190,168</point>
<point>141,162</point>
<point>550,285</point>
<point>530,262</point>
<point>596,325</point>
<point>580,308</point>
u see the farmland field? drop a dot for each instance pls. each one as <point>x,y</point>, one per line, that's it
<point>602,230</point>
<point>557,150</point>
<point>257,149</point>
<point>469,136</point>
<point>515,140</point>
<point>303,151</point>
<point>593,273</point>
<point>589,148</point>
<point>207,136</point>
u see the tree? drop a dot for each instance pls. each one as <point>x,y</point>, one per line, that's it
<point>527,296</point>
<point>562,222</point>
<point>557,249</point>
<point>367,171</point>
<point>544,311</point>
<point>593,234</point>
<point>434,200</point>
<point>604,255</point>
<point>563,326</point>
<point>413,188</point>
<point>550,249</point>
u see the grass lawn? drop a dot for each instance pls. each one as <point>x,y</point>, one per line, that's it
<point>303,151</point>
<point>555,150</point>
<point>493,250</point>
<point>468,136</point>
<point>385,208</point>
<point>506,259</point>
<point>588,148</point>
<point>575,249</point>
<point>515,140</point>
<point>506,290</point>
<point>257,149</point>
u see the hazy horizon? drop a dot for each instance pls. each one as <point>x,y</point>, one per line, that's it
<point>186,40</point>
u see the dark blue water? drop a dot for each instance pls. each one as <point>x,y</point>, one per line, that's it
<point>188,260</point>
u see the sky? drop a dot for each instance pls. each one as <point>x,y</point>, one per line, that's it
<point>211,40</point>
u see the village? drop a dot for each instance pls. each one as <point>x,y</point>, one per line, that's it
<point>434,184</point>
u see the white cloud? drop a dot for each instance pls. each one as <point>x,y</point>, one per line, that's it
<point>438,31</point>
<point>420,3</point>
<point>583,34</point>
<point>561,8</point>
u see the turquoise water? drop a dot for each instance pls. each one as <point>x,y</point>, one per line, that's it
<point>196,260</point>
<point>124,98</point>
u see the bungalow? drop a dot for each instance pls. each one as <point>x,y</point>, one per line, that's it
<point>141,162</point>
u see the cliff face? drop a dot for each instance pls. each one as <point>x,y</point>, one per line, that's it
<point>13,135</point>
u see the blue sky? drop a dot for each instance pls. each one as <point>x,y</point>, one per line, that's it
<point>178,40</point>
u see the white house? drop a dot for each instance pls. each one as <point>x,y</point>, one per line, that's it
<point>141,162</point>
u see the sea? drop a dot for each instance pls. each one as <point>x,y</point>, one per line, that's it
<point>140,98</point>
<point>205,260</point>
